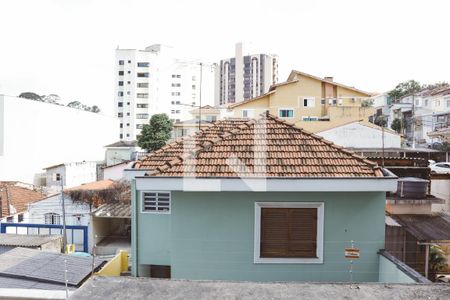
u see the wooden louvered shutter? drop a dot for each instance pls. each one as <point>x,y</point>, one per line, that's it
<point>288,232</point>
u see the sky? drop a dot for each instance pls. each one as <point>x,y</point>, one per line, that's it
<point>67,47</point>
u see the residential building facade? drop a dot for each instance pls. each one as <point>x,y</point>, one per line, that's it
<point>245,76</point>
<point>153,81</point>
<point>35,134</point>
<point>310,102</point>
<point>257,200</point>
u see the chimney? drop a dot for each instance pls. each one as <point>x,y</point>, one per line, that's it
<point>328,78</point>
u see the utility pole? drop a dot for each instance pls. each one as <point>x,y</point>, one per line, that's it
<point>413,128</point>
<point>200,98</point>
<point>382,140</point>
<point>61,179</point>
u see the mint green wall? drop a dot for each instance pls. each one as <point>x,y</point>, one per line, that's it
<point>210,236</point>
<point>391,274</point>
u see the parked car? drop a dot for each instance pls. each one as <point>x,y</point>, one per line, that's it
<point>440,168</point>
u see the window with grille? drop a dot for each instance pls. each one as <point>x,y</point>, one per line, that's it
<point>52,218</point>
<point>289,232</point>
<point>158,202</point>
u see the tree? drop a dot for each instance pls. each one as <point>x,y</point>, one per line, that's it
<point>51,98</point>
<point>155,134</point>
<point>380,121</point>
<point>398,124</point>
<point>31,96</point>
<point>75,104</point>
<point>438,261</point>
<point>95,109</point>
<point>404,88</point>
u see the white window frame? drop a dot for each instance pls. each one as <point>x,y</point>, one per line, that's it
<point>257,259</point>
<point>287,108</point>
<point>310,102</point>
<point>156,211</point>
<point>310,117</point>
<point>250,113</point>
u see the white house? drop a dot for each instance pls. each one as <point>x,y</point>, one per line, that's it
<point>116,172</point>
<point>360,134</point>
<point>73,174</point>
<point>121,151</point>
<point>35,134</point>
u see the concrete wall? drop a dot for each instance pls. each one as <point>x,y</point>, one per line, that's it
<point>76,213</point>
<point>116,172</point>
<point>389,272</point>
<point>357,135</point>
<point>74,173</point>
<point>441,188</point>
<point>36,135</point>
<point>210,236</point>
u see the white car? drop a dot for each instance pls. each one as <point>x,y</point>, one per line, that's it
<point>440,168</point>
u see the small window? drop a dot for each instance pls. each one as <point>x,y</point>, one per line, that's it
<point>121,125</point>
<point>142,95</point>
<point>141,116</point>
<point>141,105</point>
<point>10,219</point>
<point>144,74</point>
<point>322,102</point>
<point>158,202</point>
<point>129,61</point>
<point>158,271</point>
<point>52,218</point>
<point>120,104</point>
<point>120,115</point>
<point>286,113</point>
<point>310,118</point>
<point>247,113</point>
<point>120,83</point>
<point>309,102</point>
<point>121,73</point>
<point>120,94</point>
<point>142,85</point>
<point>139,126</point>
<point>143,64</point>
<point>176,84</point>
<point>20,218</point>
<point>121,62</point>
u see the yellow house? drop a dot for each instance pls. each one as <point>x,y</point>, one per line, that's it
<point>310,102</point>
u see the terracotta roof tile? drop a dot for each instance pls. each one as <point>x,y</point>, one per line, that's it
<point>14,198</point>
<point>267,147</point>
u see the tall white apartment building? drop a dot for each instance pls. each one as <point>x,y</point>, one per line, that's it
<point>245,76</point>
<point>153,81</point>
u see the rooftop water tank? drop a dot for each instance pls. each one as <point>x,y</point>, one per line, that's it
<point>412,187</point>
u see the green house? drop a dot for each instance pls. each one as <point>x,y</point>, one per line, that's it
<point>257,200</point>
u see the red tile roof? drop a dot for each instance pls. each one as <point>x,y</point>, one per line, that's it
<point>286,151</point>
<point>14,198</point>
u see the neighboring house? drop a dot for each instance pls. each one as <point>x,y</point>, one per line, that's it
<point>116,172</point>
<point>23,268</point>
<point>257,200</point>
<point>430,110</point>
<point>111,228</point>
<point>311,102</point>
<point>120,151</point>
<point>46,243</point>
<point>14,199</point>
<point>49,211</point>
<point>188,127</point>
<point>409,236</point>
<point>361,134</point>
<point>36,134</point>
<point>73,174</point>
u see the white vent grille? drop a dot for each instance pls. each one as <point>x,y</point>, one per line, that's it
<point>156,202</point>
